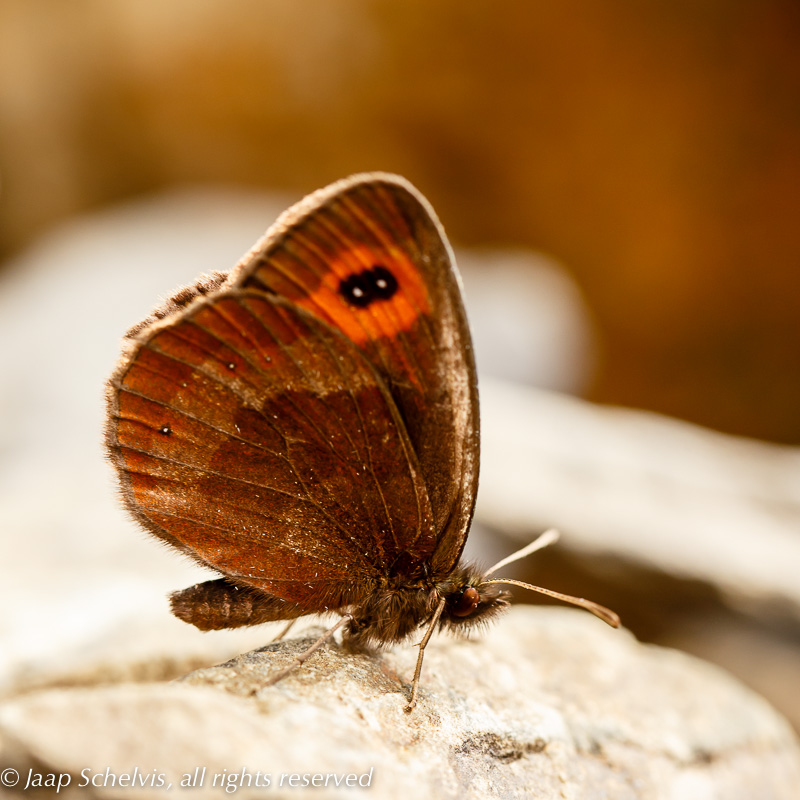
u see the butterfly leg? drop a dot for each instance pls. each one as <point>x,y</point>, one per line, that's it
<point>306,654</point>
<point>422,645</point>
<point>286,628</point>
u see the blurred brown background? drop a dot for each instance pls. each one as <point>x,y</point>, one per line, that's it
<point>653,148</point>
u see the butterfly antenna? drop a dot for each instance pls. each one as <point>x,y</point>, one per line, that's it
<point>547,538</point>
<point>605,614</point>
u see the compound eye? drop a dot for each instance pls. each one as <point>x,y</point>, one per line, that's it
<point>464,602</point>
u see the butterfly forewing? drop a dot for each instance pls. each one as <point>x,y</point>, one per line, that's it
<point>261,441</point>
<point>368,257</point>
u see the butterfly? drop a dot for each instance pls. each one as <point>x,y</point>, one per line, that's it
<point>307,426</point>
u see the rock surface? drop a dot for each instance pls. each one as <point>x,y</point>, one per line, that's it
<point>548,703</point>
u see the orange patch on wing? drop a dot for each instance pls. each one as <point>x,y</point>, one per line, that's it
<point>383,318</point>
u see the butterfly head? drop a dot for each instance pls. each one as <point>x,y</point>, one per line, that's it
<point>472,597</point>
<point>468,600</point>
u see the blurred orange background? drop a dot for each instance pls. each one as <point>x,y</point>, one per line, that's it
<point>652,148</point>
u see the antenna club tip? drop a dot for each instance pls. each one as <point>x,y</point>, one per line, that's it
<point>606,614</point>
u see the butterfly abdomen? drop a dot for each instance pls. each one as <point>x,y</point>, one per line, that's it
<point>218,604</point>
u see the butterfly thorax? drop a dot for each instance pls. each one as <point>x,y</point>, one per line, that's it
<point>393,612</point>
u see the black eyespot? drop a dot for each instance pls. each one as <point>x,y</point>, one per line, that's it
<point>364,288</point>
<point>384,284</point>
<point>463,602</point>
<point>356,290</point>
<point>165,430</point>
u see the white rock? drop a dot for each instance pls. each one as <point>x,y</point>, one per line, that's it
<point>549,703</point>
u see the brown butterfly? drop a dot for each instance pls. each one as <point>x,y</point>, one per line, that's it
<point>307,426</point>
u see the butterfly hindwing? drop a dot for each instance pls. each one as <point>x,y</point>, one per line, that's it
<point>261,441</point>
